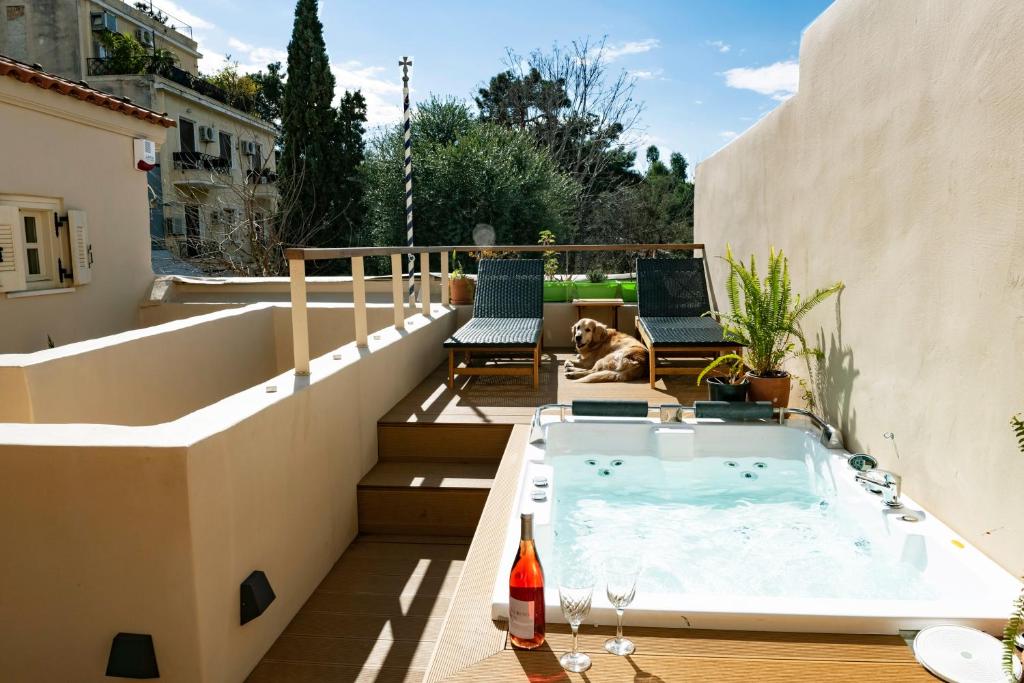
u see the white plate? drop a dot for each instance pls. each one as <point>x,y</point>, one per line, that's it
<point>959,654</point>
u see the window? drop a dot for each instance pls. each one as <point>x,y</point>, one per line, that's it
<point>37,257</point>
<point>187,135</point>
<point>225,147</point>
<point>39,247</point>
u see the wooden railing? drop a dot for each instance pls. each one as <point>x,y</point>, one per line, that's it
<point>297,274</point>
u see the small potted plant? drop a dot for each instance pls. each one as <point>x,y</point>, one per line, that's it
<point>597,286</point>
<point>731,386</point>
<point>764,317</point>
<point>627,290</point>
<point>1015,625</point>
<point>556,289</point>
<point>461,287</point>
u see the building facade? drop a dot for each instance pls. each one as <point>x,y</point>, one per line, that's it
<point>215,177</point>
<point>73,262</point>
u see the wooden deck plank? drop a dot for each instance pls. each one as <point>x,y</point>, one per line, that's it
<point>543,665</point>
<point>431,475</point>
<point>293,672</point>
<point>512,400</point>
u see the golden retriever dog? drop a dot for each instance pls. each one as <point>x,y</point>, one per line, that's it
<point>605,354</point>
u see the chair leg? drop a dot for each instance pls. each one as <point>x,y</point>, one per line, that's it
<point>451,369</point>
<point>653,364</point>
<point>536,366</point>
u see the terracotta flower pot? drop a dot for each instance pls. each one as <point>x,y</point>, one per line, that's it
<point>461,291</point>
<point>774,389</point>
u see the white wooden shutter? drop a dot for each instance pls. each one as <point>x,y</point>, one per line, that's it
<point>81,247</point>
<point>12,251</point>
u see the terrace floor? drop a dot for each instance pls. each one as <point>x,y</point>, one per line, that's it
<point>417,606</point>
<point>512,400</point>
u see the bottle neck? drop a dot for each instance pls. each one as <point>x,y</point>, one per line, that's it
<point>526,528</point>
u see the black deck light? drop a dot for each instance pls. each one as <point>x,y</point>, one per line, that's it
<point>132,655</point>
<point>256,596</point>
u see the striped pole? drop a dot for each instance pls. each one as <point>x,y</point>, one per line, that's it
<point>405,64</point>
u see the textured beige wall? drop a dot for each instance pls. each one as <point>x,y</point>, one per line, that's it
<point>57,146</point>
<point>898,170</point>
<point>152,529</point>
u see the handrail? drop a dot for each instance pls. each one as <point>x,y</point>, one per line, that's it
<point>298,256</point>
<point>324,253</point>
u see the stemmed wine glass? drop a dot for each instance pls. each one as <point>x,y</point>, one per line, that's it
<point>620,576</point>
<point>575,591</point>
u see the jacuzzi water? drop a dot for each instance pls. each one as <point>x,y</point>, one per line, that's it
<point>744,526</point>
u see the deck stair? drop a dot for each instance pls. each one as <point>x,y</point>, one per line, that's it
<point>431,479</point>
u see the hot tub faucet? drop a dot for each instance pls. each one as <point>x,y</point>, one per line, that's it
<point>890,483</point>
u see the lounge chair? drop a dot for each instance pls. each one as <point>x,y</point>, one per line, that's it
<point>508,318</point>
<point>672,298</point>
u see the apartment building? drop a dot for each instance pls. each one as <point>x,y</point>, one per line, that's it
<point>217,168</point>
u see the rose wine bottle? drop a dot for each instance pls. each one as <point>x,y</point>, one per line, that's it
<point>526,592</point>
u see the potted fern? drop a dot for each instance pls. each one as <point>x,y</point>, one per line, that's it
<point>764,317</point>
<point>461,287</point>
<point>1014,627</point>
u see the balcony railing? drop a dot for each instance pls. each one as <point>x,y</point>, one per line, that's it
<point>297,275</point>
<point>96,66</point>
<point>201,162</point>
<point>261,176</point>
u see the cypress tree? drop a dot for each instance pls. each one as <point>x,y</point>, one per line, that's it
<point>308,127</point>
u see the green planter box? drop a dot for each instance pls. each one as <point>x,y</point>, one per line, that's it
<point>555,290</point>
<point>597,290</point>
<point>627,290</point>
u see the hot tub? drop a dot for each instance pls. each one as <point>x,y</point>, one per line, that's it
<point>743,526</point>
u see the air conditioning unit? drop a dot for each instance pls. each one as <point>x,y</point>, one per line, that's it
<point>207,134</point>
<point>215,216</point>
<point>247,147</point>
<point>144,36</point>
<point>104,21</point>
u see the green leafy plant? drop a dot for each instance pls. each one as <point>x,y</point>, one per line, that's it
<point>457,272</point>
<point>129,56</point>
<point>1016,621</point>
<point>764,315</point>
<point>546,237</point>
<point>596,275</point>
<point>734,364</point>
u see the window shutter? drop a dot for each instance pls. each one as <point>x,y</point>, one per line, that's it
<point>12,251</point>
<point>81,247</point>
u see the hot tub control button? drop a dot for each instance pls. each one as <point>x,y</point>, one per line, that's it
<point>539,496</point>
<point>540,481</point>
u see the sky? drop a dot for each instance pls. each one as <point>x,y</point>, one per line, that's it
<point>706,70</point>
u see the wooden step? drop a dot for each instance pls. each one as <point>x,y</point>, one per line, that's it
<point>424,498</point>
<point>441,442</point>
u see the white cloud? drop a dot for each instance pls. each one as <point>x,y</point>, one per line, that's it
<point>719,45</point>
<point>780,80</point>
<point>698,101</point>
<point>635,47</point>
<point>728,134</point>
<point>383,95</point>
<point>647,75</point>
<point>178,14</point>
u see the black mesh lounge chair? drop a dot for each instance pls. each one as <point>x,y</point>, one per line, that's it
<point>508,317</point>
<point>672,297</point>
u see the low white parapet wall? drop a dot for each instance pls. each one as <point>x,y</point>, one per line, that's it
<point>114,528</point>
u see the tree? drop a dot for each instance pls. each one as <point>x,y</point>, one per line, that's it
<point>271,92</point>
<point>350,149</point>
<point>467,172</point>
<point>308,126</point>
<point>574,107</point>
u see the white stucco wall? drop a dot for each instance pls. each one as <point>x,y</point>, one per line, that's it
<point>898,170</point>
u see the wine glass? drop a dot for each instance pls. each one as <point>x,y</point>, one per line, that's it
<point>575,591</point>
<point>621,574</point>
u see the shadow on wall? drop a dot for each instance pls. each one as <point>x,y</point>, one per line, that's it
<point>832,376</point>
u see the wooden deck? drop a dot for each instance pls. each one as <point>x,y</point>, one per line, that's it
<point>512,400</point>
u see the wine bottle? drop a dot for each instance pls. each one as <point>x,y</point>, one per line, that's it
<point>526,592</point>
